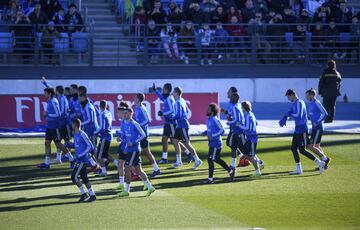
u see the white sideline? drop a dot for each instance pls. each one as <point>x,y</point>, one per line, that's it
<point>264,127</point>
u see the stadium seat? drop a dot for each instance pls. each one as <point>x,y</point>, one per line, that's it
<point>6,42</point>
<point>79,42</point>
<point>61,45</point>
<point>289,37</point>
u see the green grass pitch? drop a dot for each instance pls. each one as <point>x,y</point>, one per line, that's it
<point>45,199</point>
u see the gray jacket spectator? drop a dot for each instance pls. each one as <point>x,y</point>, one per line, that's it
<point>74,20</point>
<point>261,6</point>
<point>38,17</point>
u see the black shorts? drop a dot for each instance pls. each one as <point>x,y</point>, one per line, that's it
<point>235,141</point>
<point>182,134</point>
<point>169,130</point>
<point>133,159</point>
<point>250,149</point>
<point>316,135</point>
<point>300,140</point>
<point>121,154</point>
<point>214,153</point>
<point>103,149</point>
<point>53,135</point>
<point>144,143</point>
<point>79,171</point>
<point>64,132</point>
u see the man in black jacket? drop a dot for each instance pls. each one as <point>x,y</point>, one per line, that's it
<point>329,89</point>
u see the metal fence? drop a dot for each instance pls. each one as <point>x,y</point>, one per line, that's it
<point>87,48</point>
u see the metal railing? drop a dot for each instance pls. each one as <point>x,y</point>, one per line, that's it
<point>90,49</point>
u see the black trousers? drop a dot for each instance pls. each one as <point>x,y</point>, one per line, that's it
<point>330,107</point>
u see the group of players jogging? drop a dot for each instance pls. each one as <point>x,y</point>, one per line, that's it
<point>71,113</point>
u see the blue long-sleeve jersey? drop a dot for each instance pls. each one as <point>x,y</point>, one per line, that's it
<point>89,119</point>
<point>181,112</point>
<point>249,127</point>
<point>74,109</point>
<point>82,146</point>
<point>64,110</point>
<point>317,113</point>
<point>132,133</point>
<point>142,117</point>
<point>299,114</point>
<point>168,107</point>
<point>234,110</point>
<point>214,132</point>
<point>53,113</point>
<point>105,125</point>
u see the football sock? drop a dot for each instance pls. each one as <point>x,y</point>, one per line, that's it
<point>324,158</point>
<point>103,169</point>
<point>47,160</point>
<point>91,191</point>
<point>58,156</point>
<point>317,161</point>
<point>116,163</point>
<point>210,178</point>
<point>298,166</point>
<point>70,156</point>
<point>187,152</point>
<point>82,189</point>
<point>148,184</point>
<point>121,180</point>
<point>155,166</point>
<point>258,171</point>
<point>127,187</point>
<point>178,158</point>
<point>233,162</point>
<point>164,155</point>
<point>257,158</point>
<point>196,157</point>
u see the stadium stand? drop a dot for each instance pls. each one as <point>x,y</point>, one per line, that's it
<point>239,32</point>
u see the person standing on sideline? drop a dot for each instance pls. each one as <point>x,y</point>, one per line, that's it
<point>329,89</point>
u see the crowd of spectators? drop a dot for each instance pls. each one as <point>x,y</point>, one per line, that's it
<point>231,23</point>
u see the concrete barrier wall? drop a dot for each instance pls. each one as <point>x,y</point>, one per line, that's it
<point>253,89</point>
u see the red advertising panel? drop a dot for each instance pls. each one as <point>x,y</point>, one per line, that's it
<point>25,111</point>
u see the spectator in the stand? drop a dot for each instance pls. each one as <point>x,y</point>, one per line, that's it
<point>279,5</point>
<point>270,16</point>
<point>74,20</point>
<point>355,39</point>
<point>249,11</point>
<point>158,14</point>
<point>236,33</point>
<point>139,19</point>
<point>297,7</point>
<point>169,39</point>
<point>261,6</point>
<point>233,12</point>
<point>219,15</point>
<point>300,41</point>
<point>47,41</point>
<point>148,6</point>
<point>304,18</point>
<point>175,14</point>
<point>322,15</point>
<point>343,15</point>
<point>332,36</point>
<point>188,5</point>
<point>50,7</point>
<point>23,37</point>
<point>195,15</point>
<point>257,28</point>
<point>289,18</point>
<point>28,7</point>
<point>331,5</point>
<point>226,4</point>
<point>12,12</point>
<point>187,40</point>
<point>59,20</point>
<point>276,33</point>
<point>318,41</point>
<point>206,37</point>
<point>208,7</point>
<point>153,37</point>
<point>38,17</point>
<point>239,4</point>
<point>221,41</point>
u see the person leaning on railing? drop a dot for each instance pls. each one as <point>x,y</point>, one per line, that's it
<point>24,40</point>
<point>187,41</point>
<point>154,42</point>
<point>47,41</point>
<point>169,39</point>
